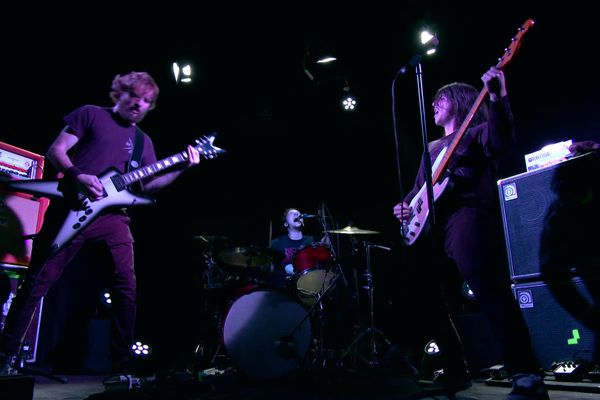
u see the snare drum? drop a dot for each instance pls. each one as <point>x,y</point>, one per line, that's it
<point>313,265</point>
<point>266,333</point>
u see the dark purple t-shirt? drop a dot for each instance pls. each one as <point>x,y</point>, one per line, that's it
<point>105,141</point>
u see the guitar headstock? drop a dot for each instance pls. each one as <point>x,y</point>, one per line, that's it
<point>515,44</point>
<point>206,148</point>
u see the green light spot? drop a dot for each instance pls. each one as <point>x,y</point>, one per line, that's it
<point>575,338</point>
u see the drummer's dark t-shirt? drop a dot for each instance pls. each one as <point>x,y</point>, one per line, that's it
<point>287,246</point>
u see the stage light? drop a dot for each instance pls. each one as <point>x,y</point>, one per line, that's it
<point>182,73</point>
<point>429,42</point>
<point>349,102</point>
<point>318,63</point>
<point>326,59</point>
<point>140,349</point>
<point>106,299</point>
<point>432,349</point>
<point>467,292</point>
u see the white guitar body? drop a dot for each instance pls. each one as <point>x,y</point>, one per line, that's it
<point>417,221</point>
<point>116,193</point>
<point>77,219</point>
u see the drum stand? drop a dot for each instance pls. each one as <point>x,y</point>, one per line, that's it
<point>287,342</point>
<point>369,333</point>
<point>213,279</point>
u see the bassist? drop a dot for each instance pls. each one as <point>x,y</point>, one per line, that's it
<point>467,234</point>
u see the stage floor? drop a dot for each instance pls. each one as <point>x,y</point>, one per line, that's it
<point>348,385</point>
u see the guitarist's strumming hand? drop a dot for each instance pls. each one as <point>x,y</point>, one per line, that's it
<point>89,185</point>
<point>494,83</point>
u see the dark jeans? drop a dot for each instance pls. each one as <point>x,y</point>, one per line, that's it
<point>473,243</point>
<point>110,229</point>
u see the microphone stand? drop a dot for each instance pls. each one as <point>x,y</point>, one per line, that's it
<point>426,156</point>
<point>415,61</point>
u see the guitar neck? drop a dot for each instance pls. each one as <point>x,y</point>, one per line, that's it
<point>152,169</point>
<point>437,174</point>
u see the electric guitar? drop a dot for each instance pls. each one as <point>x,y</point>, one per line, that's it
<point>418,219</point>
<point>82,211</point>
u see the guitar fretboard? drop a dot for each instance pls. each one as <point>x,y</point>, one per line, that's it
<point>152,169</point>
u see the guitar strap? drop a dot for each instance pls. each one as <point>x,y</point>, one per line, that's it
<point>136,154</point>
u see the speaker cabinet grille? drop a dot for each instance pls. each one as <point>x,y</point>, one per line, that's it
<point>555,333</point>
<point>525,200</point>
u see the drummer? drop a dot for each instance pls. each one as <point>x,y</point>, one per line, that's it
<point>288,244</point>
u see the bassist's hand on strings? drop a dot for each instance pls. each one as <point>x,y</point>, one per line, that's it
<point>402,211</point>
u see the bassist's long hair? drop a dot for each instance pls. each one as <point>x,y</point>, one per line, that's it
<point>462,96</point>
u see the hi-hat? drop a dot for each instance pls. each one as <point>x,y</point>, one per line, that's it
<point>211,239</point>
<point>212,242</point>
<point>251,256</point>
<point>352,230</point>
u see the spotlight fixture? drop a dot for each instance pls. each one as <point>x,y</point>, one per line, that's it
<point>140,350</point>
<point>429,42</point>
<point>467,292</point>
<point>349,102</point>
<point>431,348</point>
<point>182,73</point>
<point>319,63</point>
<point>106,299</point>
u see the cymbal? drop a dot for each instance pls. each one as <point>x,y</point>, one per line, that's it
<point>352,230</point>
<point>211,239</point>
<point>250,256</point>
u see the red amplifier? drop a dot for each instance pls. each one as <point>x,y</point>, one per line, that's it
<point>21,214</point>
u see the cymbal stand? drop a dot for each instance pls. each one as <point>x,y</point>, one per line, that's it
<point>369,333</point>
<point>213,279</point>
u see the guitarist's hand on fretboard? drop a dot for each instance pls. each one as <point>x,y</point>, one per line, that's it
<point>193,156</point>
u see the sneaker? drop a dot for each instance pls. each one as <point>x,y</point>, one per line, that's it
<point>528,387</point>
<point>449,383</point>
<point>7,364</point>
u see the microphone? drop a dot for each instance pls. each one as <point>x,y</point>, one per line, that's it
<point>413,62</point>
<point>305,216</point>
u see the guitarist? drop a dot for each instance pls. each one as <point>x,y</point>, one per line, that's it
<point>94,139</point>
<point>468,236</point>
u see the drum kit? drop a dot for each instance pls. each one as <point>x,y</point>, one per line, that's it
<point>270,327</point>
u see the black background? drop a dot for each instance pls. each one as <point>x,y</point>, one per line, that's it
<point>288,142</point>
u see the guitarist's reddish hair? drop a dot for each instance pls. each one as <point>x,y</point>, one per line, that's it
<point>140,82</point>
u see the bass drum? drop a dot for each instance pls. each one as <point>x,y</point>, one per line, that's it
<point>267,333</point>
